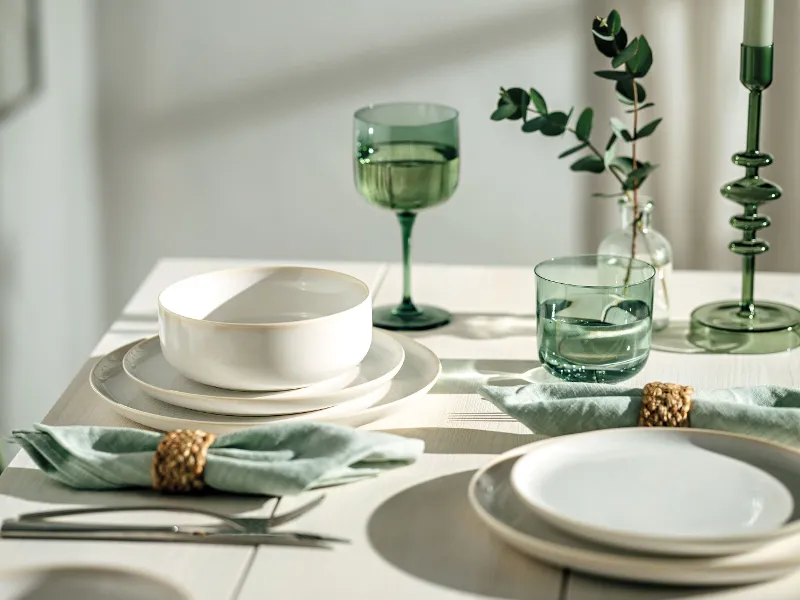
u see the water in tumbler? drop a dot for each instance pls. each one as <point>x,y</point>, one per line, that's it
<point>594,338</point>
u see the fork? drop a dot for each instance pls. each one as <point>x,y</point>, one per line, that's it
<point>253,525</point>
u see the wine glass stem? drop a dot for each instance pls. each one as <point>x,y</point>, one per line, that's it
<point>406,219</point>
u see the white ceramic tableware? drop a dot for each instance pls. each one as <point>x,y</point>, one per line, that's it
<point>420,370</point>
<point>265,328</point>
<point>498,505</point>
<point>661,490</point>
<point>85,581</point>
<point>146,366</point>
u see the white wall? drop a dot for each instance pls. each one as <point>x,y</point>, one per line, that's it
<point>50,256</point>
<point>226,127</point>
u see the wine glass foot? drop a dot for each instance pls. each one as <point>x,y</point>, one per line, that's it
<point>425,317</point>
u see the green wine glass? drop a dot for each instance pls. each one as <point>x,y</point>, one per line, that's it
<point>406,159</point>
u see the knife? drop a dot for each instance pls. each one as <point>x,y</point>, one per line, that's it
<point>14,528</point>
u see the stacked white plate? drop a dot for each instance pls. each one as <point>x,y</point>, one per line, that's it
<point>303,334</point>
<point>676,506</point>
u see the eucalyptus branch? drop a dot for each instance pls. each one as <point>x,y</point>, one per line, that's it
<point>589,145</point>
<point>630,62</point>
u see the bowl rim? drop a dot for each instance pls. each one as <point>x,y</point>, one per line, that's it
<point>326,272</point>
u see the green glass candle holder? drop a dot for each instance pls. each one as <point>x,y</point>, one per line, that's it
<point>747,326</point>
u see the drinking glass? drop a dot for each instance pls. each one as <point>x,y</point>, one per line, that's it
<point>406,160</point>
<point>594,316</point>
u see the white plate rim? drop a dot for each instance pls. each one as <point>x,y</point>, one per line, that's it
<point>333,396</point>
<point>642,568</point>
<point>355,419</point>
<point>599,532</point>
<point>169,584</point>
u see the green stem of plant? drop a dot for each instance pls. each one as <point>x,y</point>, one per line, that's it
<point>634,166</point>
<point>635,200</point>
<point>406,220</point>
<point>657,268</point>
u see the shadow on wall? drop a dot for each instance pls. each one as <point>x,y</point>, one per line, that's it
<point>299,90</point>
<point>199,118</point>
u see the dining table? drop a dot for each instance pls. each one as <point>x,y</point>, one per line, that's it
<point>412,532</point>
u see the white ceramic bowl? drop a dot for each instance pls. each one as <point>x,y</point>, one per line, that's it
<point>265,328</point>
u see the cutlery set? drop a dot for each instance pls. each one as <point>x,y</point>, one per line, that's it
<point>246,531</point>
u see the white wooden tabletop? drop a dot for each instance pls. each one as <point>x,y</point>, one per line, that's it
<point>413,534</point>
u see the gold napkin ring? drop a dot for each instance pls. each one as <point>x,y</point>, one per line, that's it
<point>665,405</point>
<point>180,459</point>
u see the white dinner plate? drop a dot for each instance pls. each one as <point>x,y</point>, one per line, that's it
<point>661,490</point>
<point>498,505</point>
<point>146,366</point>
<point>420,370</point>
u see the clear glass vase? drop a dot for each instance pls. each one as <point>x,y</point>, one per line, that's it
<point>651,247</point>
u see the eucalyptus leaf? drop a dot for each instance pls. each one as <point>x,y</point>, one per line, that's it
<point>637,177</point>
<point>642,107</point>
<point>625,91</point>
<point>640,64</point>
<point>627,54</point>
<point>591,164</point>
<point>634,182</point>
<point>606,47</point>
<point>619,129</point>
<point>533,125</point>
<point>621,40</point>
<point>614,75</point>
<point>583,129</point>
<point>599,195</point>
<point>603,37</point>
<point>572,150</point>
<point>611,153</point>
<point>611,141</point>
<point>605,44</point>
<point>503,111</point>
<point>520,99</point>
<point>602,30</point>
<point>647,129</point>
<point>555,123</point>
<point>614,22</point>
<point>622,164</point>
<point>538,101</point>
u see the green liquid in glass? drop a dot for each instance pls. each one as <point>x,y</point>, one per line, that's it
<point>407,176</point>
<point>590,350</point>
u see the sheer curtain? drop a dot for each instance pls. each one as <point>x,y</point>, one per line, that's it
<point>695,85</point>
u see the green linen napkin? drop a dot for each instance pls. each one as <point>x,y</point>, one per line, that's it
<point>768,412</point>
<point>275,460</point>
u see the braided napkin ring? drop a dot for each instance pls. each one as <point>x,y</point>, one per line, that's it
<point>180,459</point>
<point>665,405</point>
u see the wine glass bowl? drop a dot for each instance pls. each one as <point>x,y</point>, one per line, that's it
<point>407,160</point>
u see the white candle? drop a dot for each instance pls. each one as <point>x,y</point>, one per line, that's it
<point>758,20</point>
